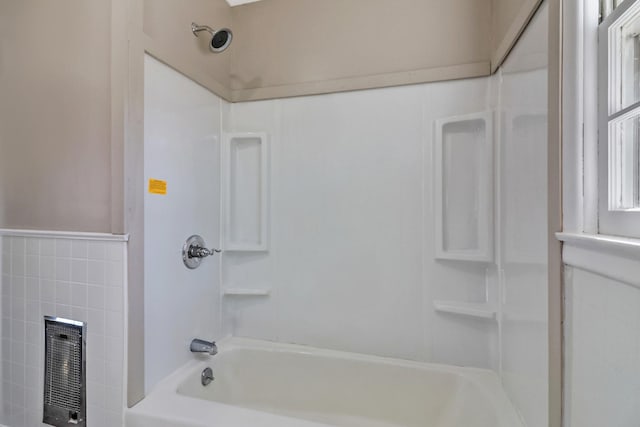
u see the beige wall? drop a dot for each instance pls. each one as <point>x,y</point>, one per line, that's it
<point>54,114</point>
<point>286,47</point>
<point>168,37</point>
<point>64,85</point>
<point>58,156</point>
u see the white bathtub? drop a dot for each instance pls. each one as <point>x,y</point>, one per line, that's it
<point>261,384</point>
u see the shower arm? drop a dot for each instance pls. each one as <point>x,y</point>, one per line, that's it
<point>195,29</point>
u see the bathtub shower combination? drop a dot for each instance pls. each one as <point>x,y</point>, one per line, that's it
<point>257,383</point>
<point>381,261</point>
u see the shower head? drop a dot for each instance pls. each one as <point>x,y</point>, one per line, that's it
<point>220,39</point>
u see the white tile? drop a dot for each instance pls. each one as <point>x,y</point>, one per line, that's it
<point>18,308</point>
<point>31,357</point>
<point>113,349</point>
<point>6,263</point>
<point>79,295</point>
<point>48,267</point>
<point>96,272</point>
<point>33,335</point>
<point>96,413</point>
<point>33,288</point>
<point>6,327</point>
<point>63,269</point>
<point>96,297</point>
<point>32,308</point>
<point>33,394</point>
<point>6,245</point>
<point>63,311</point>
<point>17,416</point>
<point>33,246</point>
<point>48,291</point>
<point>18,265</point>
<point>114,326</point>
<point>48,308</point>
<point>63,293</point>
<point>114,274</point>
<point>18,394</point>
<point>17,358</point>
<point>48,247</point>
<point>96,371</point>
<point>96,251</point>
<point>95,322</point>
<point>63,248</point>
<point>5,285</point>
<point>113,399</point>
<point>18,285</point>
<point>32,267</point>
<point>6,350</point>
<point>96,354</point>
<point>114,300</point>
<point>114,372</point>
<point>79,249</point>
<point>114,252</point>
<point>18,246</point>
<point>79,314</point>
<point>95,393</point>
<point>114,418</point>
<point>79,270</point>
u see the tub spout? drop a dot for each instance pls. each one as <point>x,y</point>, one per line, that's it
<point>202,346</point>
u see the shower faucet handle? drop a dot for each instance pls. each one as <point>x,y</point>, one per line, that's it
<point>200,252</point>
<point>194,251</point>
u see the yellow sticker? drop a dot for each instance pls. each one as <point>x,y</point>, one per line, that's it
<point>157,186</point>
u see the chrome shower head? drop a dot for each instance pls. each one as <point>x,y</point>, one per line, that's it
<point>220,39</point>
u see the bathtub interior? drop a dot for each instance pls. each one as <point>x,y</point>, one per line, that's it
<point>347,391</point>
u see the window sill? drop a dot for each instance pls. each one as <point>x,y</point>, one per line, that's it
<point>617,258</point>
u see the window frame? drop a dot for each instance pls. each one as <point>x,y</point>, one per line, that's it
<point>612,220</point>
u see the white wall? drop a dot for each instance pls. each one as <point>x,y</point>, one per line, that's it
<point>602,351</point>
<point>351,264</point>
<point>74,277</point>
<point>522,216</point>
<point>182,146</point>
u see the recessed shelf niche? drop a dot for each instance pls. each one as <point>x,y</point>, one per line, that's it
<point>463,196</point>
<point>245,192</point>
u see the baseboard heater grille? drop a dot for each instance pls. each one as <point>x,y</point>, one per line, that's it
<point>64,373</point>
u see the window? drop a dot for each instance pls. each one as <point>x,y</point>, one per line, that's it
<point>619,120</point>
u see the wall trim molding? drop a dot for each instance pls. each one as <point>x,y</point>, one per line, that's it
<point>72,235</point>
<point>426,75</point>
<point>612,257</point>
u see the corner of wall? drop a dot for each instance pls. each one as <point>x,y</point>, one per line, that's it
<point>507,28</point>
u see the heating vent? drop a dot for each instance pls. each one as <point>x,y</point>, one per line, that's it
<point>64,373</point>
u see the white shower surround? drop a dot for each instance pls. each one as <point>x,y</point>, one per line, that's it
<point>334,157</point>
